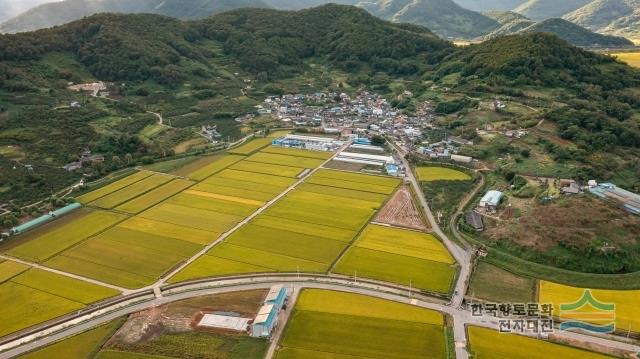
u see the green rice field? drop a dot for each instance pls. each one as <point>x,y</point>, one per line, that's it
<point>211,167</point>
<point>115,186</point>
<point>130,192</point>
<point>155,196</point>
<point>251,146</point>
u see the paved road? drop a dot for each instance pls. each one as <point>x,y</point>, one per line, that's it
<point>206,249</point>
<point>461,316</point>
<point>463,257</point>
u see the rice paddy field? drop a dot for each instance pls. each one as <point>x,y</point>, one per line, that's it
<point>306,231</point>
<point>631,58</point>
<point>214,164</point>
<point>626,302</point>
<point>130,192</point>
<point>251,147</point>
<point>400,256</point>
<point>66,235</point>
<point>328,324</point>
<point>483,346</point>
<point>430,174</point>
<point>33,296</point>
<point>115,186</point>
<point>155,196</point>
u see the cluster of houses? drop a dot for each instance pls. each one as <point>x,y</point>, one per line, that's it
<point>86,157</point>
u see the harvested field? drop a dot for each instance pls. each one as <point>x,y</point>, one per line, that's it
<point>285,160</point>
<point>483,345</point>
<point>37,296</point>
<point>333,329</point>
<point>115,186</point>
<point>132,191</point>
<point>266,168</point>
<point>626,302</point>
<point>154,197</point>
<point>55,241</point>
<point>298,153</point>
<point>401,211</point>
<point>428,174</point>
<point>208,166</point>
<point>345,166</point>
<point>252,146</point>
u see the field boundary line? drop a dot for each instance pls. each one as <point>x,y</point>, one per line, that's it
<point>66,274</point>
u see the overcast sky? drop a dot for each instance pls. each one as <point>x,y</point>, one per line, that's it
<point>11,8</point>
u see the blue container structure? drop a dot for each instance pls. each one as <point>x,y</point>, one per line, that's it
<point>44,219</point>
<point>267,318</point>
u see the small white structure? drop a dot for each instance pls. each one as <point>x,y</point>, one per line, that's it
<point>224,322</point>
<point>461,159</point>
<point>374,160</point>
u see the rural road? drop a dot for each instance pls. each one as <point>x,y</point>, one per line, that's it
<point>46,334</point>
<point>159,116</point>
<point>219,286</point>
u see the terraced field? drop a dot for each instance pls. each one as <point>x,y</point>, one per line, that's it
<point>483,346</point>
<point>626,302</point>
<point>400,256</point>
<point>327,324</point>
<point>305,231</point>
<point>34,296</point>
<point>429,174</point>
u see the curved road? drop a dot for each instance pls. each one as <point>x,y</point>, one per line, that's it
<point>191,290</point>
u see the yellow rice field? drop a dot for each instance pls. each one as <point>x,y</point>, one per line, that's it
<point>631,58</point>
<point>154,197</point>
<point>251,146</point>
<point>101,192</point>
<point>36,296</point>
<point>132,191</point>
<point>626,302</point>
<point>483,346</point>
<point>214,167</point>
<point>63,237</point>
<point>429,174</point>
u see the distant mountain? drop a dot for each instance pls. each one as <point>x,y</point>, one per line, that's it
<point>576,35</point>
<point>444,17</point>
<point>62,12</point>
<point>505,17</point>
<point>547,9</point>
<point>11,8</point>
<point>489,5</point>
<point>609,16</point>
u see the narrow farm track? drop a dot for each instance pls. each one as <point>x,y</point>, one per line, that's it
<point>124,291</point>
<point>160,293</point>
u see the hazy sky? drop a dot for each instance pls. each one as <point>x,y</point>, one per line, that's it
<point>11,8</point>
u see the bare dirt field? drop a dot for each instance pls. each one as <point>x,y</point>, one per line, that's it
<point>181,317</point>
<point>345,166</point>
<point>401,211</point>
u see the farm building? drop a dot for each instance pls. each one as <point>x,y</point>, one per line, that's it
<point>267,318</point>
<point>629,201</point>
<point>225,322</point>
<point>474,219</point>
<point>307,142</point>
<point>374,160</point>
<point>490,201</point>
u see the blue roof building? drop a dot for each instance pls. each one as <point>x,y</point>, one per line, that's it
<point>629,201</point>
<point>491,200</point>
<point>267,318</point>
